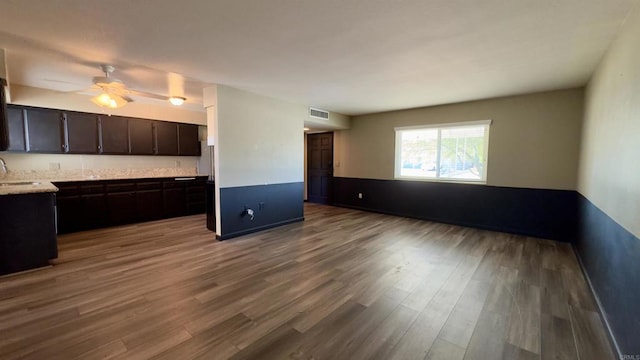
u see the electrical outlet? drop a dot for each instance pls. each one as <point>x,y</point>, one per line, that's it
<point>261,206</point>
<point>359,195</point>
<point>177,163</point>
<point>54,166</point>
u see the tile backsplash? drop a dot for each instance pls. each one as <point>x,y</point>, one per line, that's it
<point>50,167</point>
<point>96,174</point>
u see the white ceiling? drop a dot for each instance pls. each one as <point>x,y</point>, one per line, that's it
<point>347,56</point>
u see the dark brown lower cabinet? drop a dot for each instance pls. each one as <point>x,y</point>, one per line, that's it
<point>174,201</point>
<point>150,205</point>
<point>28,238</point>
<point>70,214</point>
<point>121,208</point>
<point>80,208</point>
<point>85,205</point>
<point>196,196</point>
<point>97,216</point>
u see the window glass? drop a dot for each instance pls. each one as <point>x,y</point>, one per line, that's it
<point>451,152</point>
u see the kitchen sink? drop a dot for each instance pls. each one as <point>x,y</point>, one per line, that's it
<point>20,183</point>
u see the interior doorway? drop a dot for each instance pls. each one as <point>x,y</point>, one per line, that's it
<point>319,167</point>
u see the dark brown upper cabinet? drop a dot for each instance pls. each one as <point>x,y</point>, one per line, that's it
<point>41,130</point>
<point>15,129</point>
<point>44,129</point>
<point>166,138</point>
<point>114,135</point>
<point>188,140</point>
<point>4,131</point>
<point>141,137</point>
<point>81,131</point>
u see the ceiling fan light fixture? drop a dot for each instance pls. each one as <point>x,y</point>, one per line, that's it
<point>102,100</point>
<point>177,100</point>
<point>109,100</point>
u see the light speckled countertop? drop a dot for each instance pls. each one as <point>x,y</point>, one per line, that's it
<point>26,187</point>
<point>95,178</point>
<point>34,181</point>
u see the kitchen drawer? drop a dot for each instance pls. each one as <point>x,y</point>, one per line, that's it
<point>174,184</point>
<point>121,187</point>
<point>149,185</point>
<point>92,189</point>
<point>67,189</point>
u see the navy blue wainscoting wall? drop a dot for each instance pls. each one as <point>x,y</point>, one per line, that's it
<point>273,205</point>
<point>549,214</point>
<point>610,256</point>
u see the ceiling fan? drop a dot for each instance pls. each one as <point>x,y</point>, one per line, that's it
<point>115,94</point>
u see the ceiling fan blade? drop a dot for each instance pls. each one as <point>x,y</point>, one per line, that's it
<point>149,95</point>
<point>91,88</point>
<point>61,82</point>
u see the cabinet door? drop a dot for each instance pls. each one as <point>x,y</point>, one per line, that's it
<point>196,196</point>
<point>141,137</point>
<point>95,211</point>
<point>44,131</point>
<point>174,201</point>
<point>188,140</point>
<point>70,214</point>
<point>166,138</point>
<point>15,127</point>
<point>114,135</point>
<point>28,238</point>
<point>82,133</point>
<point>149,204</point>
<point>4,131</point>
<point>121,208</point>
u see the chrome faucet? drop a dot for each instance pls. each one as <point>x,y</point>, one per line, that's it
<point>3,168</point>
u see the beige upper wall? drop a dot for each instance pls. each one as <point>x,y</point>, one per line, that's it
<point>609,173</point>
<point>534,139</point>
<point>25,95</point>
<point>259,140</point>
<point>3,65</point>
<point>334,122</point>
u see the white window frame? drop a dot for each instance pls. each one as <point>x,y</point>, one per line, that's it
<point>398,151</point>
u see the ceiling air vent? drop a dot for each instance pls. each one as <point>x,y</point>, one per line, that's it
<point>318,114</point>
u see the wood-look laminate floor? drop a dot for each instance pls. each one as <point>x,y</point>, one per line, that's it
<point>343,284</point>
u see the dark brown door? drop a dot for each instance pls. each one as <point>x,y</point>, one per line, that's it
<point>141,139</point>
<point>95,213</point>
<point>114,134</point>
<point>175,201</point>
<point>44,131</point>
<point>69,213</point>
<point>4,132</point>
<point>82,133</point>
<point>150,206</point>
<point>189,142</point>
<point>15,125</point>
<point>196,196</point>
<point>121,207</point>
<point>319,167</point>
<point>166,138</point>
